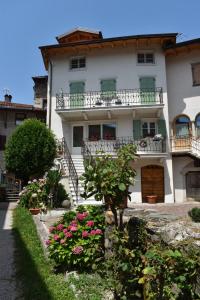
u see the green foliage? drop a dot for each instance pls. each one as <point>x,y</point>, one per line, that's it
<point>34,195</point>
<point>194,214</point>
<point>76,242</point>
<point>34,271</point>
<point>139,269</point>
<point>31,150</point>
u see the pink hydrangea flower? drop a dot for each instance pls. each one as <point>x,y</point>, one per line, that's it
<point>60,227</point>
<point>47,242</point>
<point>93,232</point>
<point>85,234</point>
<point>68,235</point>
<point>81,216</point>
<point>73,228</point>
<point>62,241</point>
<point>73,223</point>
<point>77,250</point>
<point>90,223</point>
<point>65,230</point>
<point>99,231</point>
<point>56,237</point>
<point>51,229</point>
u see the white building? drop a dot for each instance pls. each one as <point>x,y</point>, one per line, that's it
<point>106,92</point>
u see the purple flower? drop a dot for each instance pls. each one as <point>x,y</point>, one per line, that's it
<point>90,223</point>
<point>77,250</point>
<point>60,227</point>
<point>56,237</point>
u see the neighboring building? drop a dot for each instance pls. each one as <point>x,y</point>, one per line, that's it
<point>103,93</point>
<point>40,91</point>
<point>11,115</point>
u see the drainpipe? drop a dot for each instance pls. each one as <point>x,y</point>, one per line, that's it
<point>50,91</point>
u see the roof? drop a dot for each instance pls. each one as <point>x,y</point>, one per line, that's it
<point>19,106</point>
<point>40,78</point>
<point>78,29</point>
<point>183,44</point>
<point>104,40</point>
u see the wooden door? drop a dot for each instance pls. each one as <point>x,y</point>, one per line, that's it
<point>193,185</point>
<point>152,181</point>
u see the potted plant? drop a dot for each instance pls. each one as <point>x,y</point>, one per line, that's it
<point>151,199</point>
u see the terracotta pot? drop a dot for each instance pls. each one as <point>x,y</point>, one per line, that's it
<point>34,211</point>
<point>152,199</point>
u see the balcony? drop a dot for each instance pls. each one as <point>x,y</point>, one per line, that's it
<point>113,101</point>
<point>149,147</point>
<point>181,145</point>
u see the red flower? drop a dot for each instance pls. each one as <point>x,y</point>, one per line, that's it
<point>90,223</point>
<point>68,235</point>
<point>82,216</point>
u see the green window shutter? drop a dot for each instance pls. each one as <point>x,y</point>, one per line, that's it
<point>108,85</point>
<point>76,94</point>
<point>108,89</point>
<point>137,129</point>
<point>147,89</point>
<point>162,127</point>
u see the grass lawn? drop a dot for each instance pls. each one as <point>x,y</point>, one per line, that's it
<point>34,272</point>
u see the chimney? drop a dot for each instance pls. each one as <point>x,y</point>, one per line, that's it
<point>7,98</point>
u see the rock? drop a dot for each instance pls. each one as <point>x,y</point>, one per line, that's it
<point>66,204</point>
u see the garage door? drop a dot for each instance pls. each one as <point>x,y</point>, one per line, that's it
<point>152,181</point>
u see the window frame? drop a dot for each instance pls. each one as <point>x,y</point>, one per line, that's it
<point>101,131</point>
<point>78,58</point>
<point>193,79</point>
<point>19,119</point>
<point>149,128</point>
<point>145,62</point>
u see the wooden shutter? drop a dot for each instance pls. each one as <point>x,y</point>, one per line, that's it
<point>196,74</point>
<point>137,129</point>
<point>77,87</point>
<point>162,127</point>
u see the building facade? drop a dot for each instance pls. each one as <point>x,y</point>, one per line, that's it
<point>103,93</point>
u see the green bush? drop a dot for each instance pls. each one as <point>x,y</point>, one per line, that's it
<point>30,151</point>
<point>76,242</point>
<point>194,214</point>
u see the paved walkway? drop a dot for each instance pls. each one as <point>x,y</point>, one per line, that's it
<point>7,269</point>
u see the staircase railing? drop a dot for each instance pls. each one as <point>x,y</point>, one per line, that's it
<point>71,168</point>
<point>87,155</point>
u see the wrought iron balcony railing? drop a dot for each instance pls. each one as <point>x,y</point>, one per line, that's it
<point>144,146</point>
<point>128,97</point>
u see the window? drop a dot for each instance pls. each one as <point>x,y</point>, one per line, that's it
<point>102,131</point>
<point>182,126</point>
<point>145,58</point>
<point>44,104</point>
<point>196,73</point>
<point>197,125</point>
<point>148,129</point>
<point>19,118</point>
<point>2,142</point>
<point>77,63</point>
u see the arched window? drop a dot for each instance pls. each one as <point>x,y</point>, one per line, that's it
<point>182,126</point>
<point>197,125</point>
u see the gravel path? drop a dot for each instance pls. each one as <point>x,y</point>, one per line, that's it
<point>7,269</point>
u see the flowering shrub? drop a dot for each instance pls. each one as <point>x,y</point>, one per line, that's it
<point>77,240</point>
<point>34,194</point>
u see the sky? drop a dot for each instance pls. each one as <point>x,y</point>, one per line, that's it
<point>26,24</point>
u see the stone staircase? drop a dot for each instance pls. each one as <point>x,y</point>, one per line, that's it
<point>79,167</point>
<point>12,195</point>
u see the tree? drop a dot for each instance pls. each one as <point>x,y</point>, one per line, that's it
<point>30,151</point>
<point>109,178</point>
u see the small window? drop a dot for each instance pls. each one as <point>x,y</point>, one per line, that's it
<point>196,74</point>
<point>145,58</point>
<point>77,63</point>
<point>109,131</point>
<point>148,129</point>
<point>19,118</point>
<point>94,132</point>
